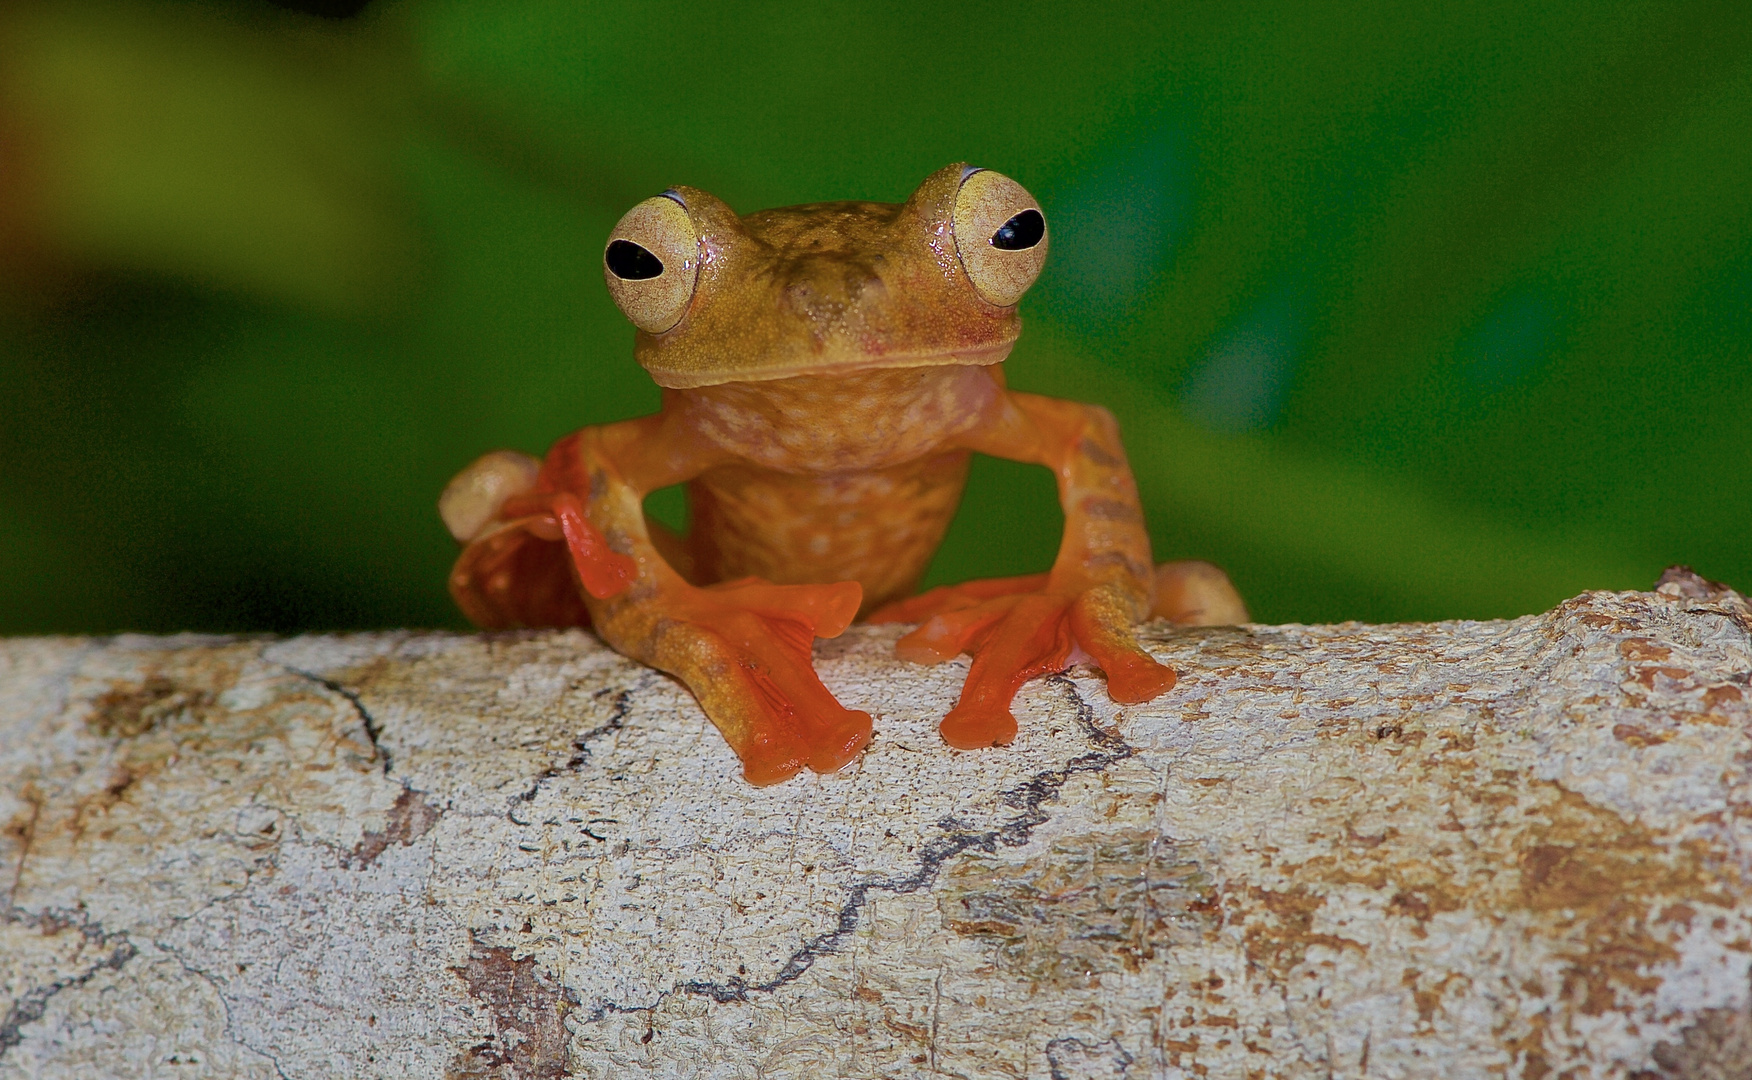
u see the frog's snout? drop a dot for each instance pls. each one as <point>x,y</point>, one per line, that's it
<point>833,293</point>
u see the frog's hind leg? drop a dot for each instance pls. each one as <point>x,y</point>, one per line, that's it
<point>676,549</point>
<point>518,574</point>
<point>1195,593</point>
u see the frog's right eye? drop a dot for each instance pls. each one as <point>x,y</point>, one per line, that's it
<point>652,262</point>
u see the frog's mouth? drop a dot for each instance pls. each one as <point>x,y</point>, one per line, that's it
<point>788,367</point>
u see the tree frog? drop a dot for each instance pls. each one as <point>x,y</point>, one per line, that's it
<point>827,371</point>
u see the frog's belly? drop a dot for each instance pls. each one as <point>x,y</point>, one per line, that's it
<point>878,528</point>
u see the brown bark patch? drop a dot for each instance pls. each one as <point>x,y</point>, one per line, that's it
<point>1643,649</point>
<point>1594,881</point>
<point>409,819</point>
<point>1685,582</point>
<point>1092,903</point>
<point>528,1011</point>
<point>1631,735</point>
<point>131,710</point>
<point>1721,695</point>
<point>1280,929</point>
<point>1717,1046</point>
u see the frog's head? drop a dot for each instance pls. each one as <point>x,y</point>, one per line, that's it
<point>828,287</point>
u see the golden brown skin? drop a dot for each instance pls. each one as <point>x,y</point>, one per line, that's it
<point>828,371</point>
<point>808,290</point>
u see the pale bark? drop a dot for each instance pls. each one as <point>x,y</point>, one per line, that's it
<point>1457,849</point>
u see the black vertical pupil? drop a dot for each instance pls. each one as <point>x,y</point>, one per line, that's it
<point>1020,232</point>
<point>630,262</point>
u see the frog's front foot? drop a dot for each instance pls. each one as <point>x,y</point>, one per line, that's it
<point>745,650</point>
<point>1016,629</point>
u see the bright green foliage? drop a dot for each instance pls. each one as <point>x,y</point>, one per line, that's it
<point>1406,313</point>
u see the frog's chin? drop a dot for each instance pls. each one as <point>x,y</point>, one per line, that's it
<point>971,356</point>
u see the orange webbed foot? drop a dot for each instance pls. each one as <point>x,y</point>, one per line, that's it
<point>1030,637</point>
<point>1016,629</point>
<point>947,598</point>
<point>746,650</point>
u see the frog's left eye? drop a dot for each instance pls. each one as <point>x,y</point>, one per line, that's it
<point>1000,234</point>
<point>652,262</point>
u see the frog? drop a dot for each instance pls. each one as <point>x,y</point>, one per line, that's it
<point>826,373</point>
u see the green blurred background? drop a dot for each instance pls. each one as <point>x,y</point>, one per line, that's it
<point>1407,311</point>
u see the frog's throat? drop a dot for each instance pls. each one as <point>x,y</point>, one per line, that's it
<point>973,356</point>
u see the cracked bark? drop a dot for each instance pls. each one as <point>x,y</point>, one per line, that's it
<point>28,1007</point>
<point>366,720</point>
<point>1510,848</point>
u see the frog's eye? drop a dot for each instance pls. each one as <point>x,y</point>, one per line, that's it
<point>1000,234</point>
<point>652,262</point>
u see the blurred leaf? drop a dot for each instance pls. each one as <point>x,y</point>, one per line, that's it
<point>1407,312</point>
<point>256,154</point>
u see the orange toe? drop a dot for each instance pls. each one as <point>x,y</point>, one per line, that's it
<point>948,635</point>
<point>514,576</point>
<point>827,609</point>
<point>946,598</point>
<point>837,743</point>
<point>768,758</point>
<point>975,727</point>
<point>1033,638</point>
<point>1135,678</point>
<point>1102,622</point>
<point>602,571</point>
